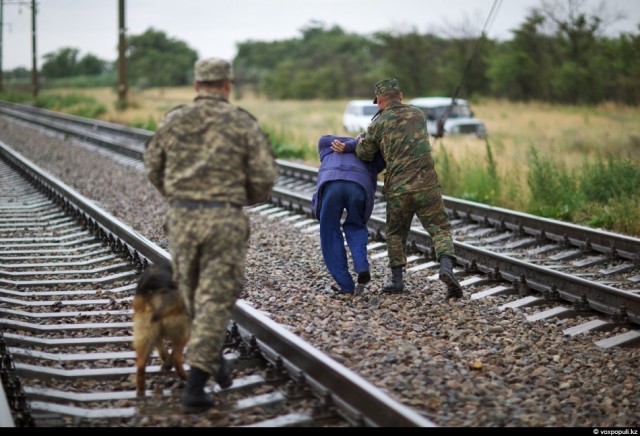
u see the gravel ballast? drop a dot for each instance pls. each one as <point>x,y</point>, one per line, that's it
<point>461,363</point>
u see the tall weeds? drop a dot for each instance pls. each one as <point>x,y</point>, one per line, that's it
<point>603,193</point>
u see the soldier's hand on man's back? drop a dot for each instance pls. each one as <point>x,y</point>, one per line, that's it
<point>337,146</point>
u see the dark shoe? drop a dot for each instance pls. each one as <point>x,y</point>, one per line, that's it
<point>395,284</point>
<point>454,290</point>
<point>364,277</point>
<point>194,398</point>
<point>339,291</point>
<point>224,378</point>
<point>196,403</point>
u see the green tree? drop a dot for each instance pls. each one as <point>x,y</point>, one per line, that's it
<point>518,69</point>
<point>579,77</point>
<point>623,59</point>
<point>157,60</point>
<point>91,65</point>
<point>62,63</point>
<point>65,63</point>
<point>401,54</point>
<point>323,63</point>
<point>17,73</point>
<point>255,60</point>
<point>556,55</point>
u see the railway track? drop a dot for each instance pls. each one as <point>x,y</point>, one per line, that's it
<point>562,269</point>
<point>573,269</point>
<point>67,276</point>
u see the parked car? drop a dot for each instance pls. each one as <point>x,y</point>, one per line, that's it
<point>357,115</point>
<point>459,118</point>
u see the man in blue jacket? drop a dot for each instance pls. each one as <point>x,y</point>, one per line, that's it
<point>345,183</point>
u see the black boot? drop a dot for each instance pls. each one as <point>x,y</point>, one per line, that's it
<point>454,290</point>
<point>224,378</point>
<point>364,277</point>
<point>194,398</point>
<point>394,285</point>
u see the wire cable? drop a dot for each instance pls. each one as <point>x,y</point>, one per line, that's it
<point>487,24</point>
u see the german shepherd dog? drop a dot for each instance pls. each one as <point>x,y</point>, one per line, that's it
<point>159,316</point>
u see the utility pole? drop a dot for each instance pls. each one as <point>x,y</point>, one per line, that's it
<point>34,68</point>
<point>122,57</point>
<point>1,69</point>
<point>34,63</point>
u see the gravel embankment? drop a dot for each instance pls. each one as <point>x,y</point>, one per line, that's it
<point>462,363</point>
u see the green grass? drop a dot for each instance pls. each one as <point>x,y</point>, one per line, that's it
<point>604,193</point>
<point>76,104</point>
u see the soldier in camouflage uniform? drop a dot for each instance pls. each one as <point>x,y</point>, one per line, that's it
<point>411,184</point>
<point>209,159</point>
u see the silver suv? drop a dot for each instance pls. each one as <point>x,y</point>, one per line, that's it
<point>357,115</point>
<point>458,118</point>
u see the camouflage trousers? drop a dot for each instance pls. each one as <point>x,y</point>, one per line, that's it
<point>208,247</point>
<point>429,207</point>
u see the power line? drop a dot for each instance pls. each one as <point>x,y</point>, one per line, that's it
<point>490,18</point>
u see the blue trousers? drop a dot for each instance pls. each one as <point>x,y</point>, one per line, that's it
<point>338,196</point>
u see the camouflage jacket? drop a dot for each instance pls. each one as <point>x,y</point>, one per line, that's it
<point>211,150</point>
<point>399,132</point>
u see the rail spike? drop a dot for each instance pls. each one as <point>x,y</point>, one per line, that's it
<point>523,287</point>
<point>254,348</point>
<point>495,275</point>
<point>471,267</point>
<point>233,337</point>
<point>281,370</point>
<point>502,225</point>
<point>621,317</point>
<point>552,293</point>
<point>138,261</point>
<point>582,304</point>
<point>297,387</point>
<point>270,373</point>
<point>324,408</point>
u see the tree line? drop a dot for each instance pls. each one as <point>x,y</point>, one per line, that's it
<point>560,59</point>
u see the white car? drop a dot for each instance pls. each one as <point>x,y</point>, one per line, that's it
<point>357,115</point>
<point>458,118</point>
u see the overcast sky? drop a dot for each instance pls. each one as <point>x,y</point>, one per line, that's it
<point>213,28</point>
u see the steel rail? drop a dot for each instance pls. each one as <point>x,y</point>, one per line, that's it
<point>586,238</point>
<point>370,406</point>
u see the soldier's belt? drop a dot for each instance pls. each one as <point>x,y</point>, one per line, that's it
<point>194,204</point>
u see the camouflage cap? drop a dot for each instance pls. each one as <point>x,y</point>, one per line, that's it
<point>212,69</point>
<point>385,85</point>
